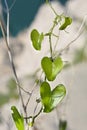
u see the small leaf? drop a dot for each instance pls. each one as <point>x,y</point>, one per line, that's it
<point>50,99</point>
<point>36,39</point>
<point>18,119</point>
<point>65,21</point>
<point>45,92</point>
<point>51,68</point>
<point>58,94</point>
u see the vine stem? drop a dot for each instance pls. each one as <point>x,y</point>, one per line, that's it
<point>34,117</point>
<point>52,8</point>
<point>50,33</point>
<point>6,38</point>
<point>9,8</point>
<point>50,38</point>
<point>51,50</point>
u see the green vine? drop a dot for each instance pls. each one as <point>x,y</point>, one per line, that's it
<point>50,66</point>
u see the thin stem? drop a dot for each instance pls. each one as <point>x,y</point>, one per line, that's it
<point>51,51</point>
<point>35,108</point>
<point>50,37</point>
<point>52,8</point>
<point>50,33</point>
<point>35,115</point>
<point>31,94</point>
<point>55,35</point>
<point>6,4</point>
<point>34,86</point>
<point>8,9</point>
<point>8,27</point>
<point>55,46</point>
<point>12,5</point>
<point>38,113</point>
<point>12,62</point>
<point>26,106</point>
<point>11,58</point>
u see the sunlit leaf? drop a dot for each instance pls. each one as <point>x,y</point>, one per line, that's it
<point>36,39</point>
<point>51,68</point>
<point>18,119</point>
<point>65,21</point>
<point>45,92</point>
<point>50,99</point>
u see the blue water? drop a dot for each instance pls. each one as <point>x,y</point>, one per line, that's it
<point>23,13</point>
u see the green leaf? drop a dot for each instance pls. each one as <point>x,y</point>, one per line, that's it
<point>18,119</point>
<point>65,21</point>
<point>51,68</point>
<point>36,39</point>
<point>50,99</point>
<point>45,92</point>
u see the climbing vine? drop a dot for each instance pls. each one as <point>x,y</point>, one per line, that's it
<point>51,66</point>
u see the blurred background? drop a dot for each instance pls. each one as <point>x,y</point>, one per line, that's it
<point>25,16</point>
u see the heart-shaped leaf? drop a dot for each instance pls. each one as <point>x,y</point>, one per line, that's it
<point>65,21</point>
<point>51,68</point>
<point>50,99</point>
<point>36,39</point>
<point>18,119</point>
